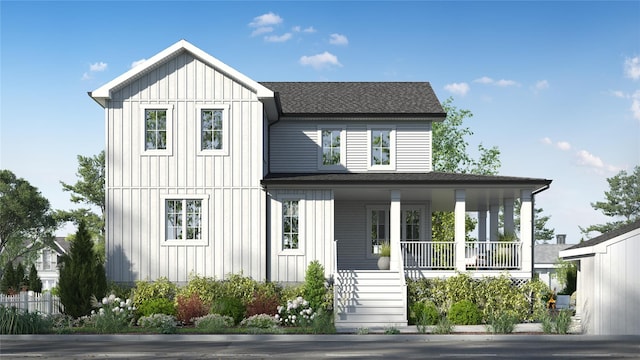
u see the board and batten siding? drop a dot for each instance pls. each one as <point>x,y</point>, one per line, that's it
<point>315,221</point>
<point>294,145</point>
<point>137,182</point>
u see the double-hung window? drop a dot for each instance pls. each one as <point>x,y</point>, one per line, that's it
<point>382,141</point>
<point>185,220</point>
<point>378,225</point>
<point>157,125</point>
<point>213,129</point>
<point>332,148</point>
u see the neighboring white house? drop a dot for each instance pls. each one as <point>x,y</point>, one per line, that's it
<point>213,173</point>
<point>47,262</point>
<point>608,287</point>
<point>545,259</point>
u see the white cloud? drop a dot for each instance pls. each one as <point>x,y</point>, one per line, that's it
<point>458,88</point>
<point>546,141</point>
<point>618,93</point>
<point>541,85</point>
<point>266,20</point>
<point>99,66</point>
<point>85,76</point>
<point>587,159</point>
<point>278,38</point>
<point>319,61</point>
<point>563,145</point>
<point>632,67</point>
<point>262,30</point>
<point>137,62</point>
<point>502,83</point>
<point>338,39</point>
<point>635,104</point>
<point>309,29</point>
<point>484,80</point>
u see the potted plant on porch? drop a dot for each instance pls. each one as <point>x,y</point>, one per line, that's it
<point>385,256</point>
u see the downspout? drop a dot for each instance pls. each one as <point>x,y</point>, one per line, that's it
<point>533,223</point>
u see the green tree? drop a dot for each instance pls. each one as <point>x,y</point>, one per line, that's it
<point>567,275</point>
<point>451,154</point>
<point>35,284</point>
<point>622,202</point>
<point>7,284</point>
<point>81,275</point>
<point>19,279</point>
<point>540,230</point>
<point>88,190</point>
<point>26,220</point>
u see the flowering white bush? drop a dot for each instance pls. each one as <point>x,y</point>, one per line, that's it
<point>296,313</point>
<point>112,315</point>
<point>262,321</point>
<point>162,323</point>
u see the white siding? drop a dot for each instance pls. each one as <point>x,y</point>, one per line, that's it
<point>608,289</point>
<point>315,239</point>
<point>294,145</point>
<point>136,181</point>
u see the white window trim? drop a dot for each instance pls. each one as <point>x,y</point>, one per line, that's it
<point>205,220</point>
<point>392,147</point>
<point>169,108</point>
<point>343,147</point>
<point>301,227</point>
<point>225,129</point>
<point>369,242</point>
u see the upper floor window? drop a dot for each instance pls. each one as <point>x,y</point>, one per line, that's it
<point>381,148</point>
<point>185,220</point>
<point>332,145</point>
<point>290,224</point>
<point>157,129</point>
<point>213,129</point>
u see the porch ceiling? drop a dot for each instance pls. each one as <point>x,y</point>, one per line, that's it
<point>438,188</point>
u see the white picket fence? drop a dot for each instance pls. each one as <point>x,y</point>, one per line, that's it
<point>44,303</point>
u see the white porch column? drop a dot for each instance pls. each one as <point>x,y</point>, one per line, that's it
<point>494,211</point>
<point>526,229</point>
<point>482,225</point>
<point>459,216</point>
<point>395,229</point>
<point>509,224</point>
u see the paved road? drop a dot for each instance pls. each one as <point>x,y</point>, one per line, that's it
<point>319,347</point>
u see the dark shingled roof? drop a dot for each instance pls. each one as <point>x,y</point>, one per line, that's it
<point>430,178</point>
<point>608,235</point>
<point>356,99</point>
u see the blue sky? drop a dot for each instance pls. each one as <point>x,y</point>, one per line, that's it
<point>555,85</point>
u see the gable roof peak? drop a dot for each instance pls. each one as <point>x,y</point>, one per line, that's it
<point>103,93</point>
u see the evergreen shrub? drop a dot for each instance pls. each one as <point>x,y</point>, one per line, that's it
<point>314,289</point>
<point>157,306</point>
<point>229,306</point>
<point>464,312</point>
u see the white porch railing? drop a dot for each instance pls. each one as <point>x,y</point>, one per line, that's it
<point>429,254</point>
<point>493,255</point>
<point>441,255</point>
<point>44,303</point>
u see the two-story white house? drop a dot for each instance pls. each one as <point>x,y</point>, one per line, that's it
<point>211,172</point>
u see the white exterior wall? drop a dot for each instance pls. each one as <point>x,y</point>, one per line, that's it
<point>136,182</point>
<point>315,221</point>
<point>294,145</point>
<point>609,289</point>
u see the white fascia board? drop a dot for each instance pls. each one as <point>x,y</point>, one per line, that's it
<point>103,93</point>
<point>600,248</point>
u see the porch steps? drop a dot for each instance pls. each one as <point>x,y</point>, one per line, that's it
<point>370,298</point>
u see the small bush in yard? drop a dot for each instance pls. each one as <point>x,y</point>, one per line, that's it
<point>424,313</point>
<point>148,290</point>
<point>263,302</point>
<point>190,307</point>
<point>112,315</point>
<point>213,322</point>
<point>229,306</point>
<point>464,312</point>
<point>14,321</point>
<point>261,321</point>
<point>297,312</point>
<point>157,306</point>
<point>161,323</point>
<point>556,323</point>
<point>504,323</point>
<point>444,326</point>
<point>314,285</point>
